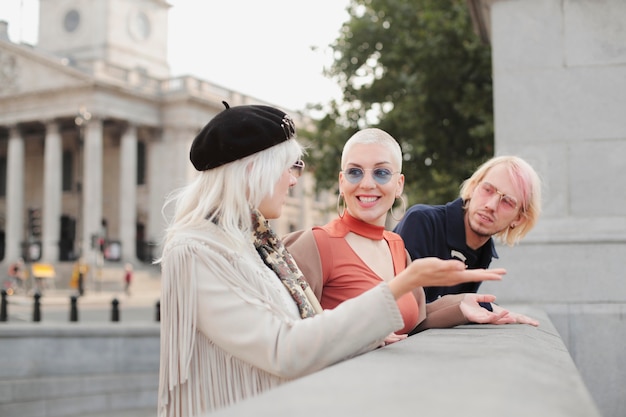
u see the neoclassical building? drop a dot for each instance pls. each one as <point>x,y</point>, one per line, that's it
<point>94,133</point>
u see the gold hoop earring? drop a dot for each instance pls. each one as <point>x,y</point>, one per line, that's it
<point>393,214</point>
<point>341,202</point>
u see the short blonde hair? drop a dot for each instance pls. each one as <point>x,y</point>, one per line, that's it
<point>374,135</point>
<point>527,183</point>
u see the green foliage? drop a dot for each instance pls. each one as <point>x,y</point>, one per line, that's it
<point>415,69</point>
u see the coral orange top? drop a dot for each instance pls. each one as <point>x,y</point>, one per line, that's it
<point>336,273</point>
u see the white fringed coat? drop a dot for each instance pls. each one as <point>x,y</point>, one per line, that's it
<point>230,329</point>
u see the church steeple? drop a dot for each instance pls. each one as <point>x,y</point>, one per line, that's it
<point>127,33</point>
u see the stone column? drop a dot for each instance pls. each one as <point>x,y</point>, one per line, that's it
<point>92,187</point>
<point>15,196</point>
<point>53,161</point>
<point>128,193</point>
<point>167,173</point>
<point>559,84</point>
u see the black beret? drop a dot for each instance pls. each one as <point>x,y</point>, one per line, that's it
<point>237,132</point>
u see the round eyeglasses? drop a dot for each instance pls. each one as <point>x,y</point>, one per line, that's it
<point>297,168</point>
<point>505,202</point>
<point>381,175</point>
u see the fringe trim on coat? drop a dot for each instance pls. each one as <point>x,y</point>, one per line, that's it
<point>195,375</point>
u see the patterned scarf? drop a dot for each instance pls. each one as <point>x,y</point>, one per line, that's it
<point>276,257</point>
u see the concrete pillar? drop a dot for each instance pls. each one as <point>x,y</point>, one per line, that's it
<point>128,193</point>
<point>92,186</point>
<point>559,83</point>
<point>53,162</point>
<point>15,196</point>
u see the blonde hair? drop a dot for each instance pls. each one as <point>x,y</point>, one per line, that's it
<point>225,195</point>
<point>528,185</point>
<point>374,135</point>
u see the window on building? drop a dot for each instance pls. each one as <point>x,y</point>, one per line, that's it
<point>141,163</point>
<point>68,169</point>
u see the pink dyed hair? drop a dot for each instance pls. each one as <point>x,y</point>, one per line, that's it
<point>527,183</point>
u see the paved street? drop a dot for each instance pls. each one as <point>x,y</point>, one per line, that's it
<point>96,303</point>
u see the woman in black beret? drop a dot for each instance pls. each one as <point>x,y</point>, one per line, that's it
<point>237,317</point>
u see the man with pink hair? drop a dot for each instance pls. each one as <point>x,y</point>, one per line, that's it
<point>502,199</point>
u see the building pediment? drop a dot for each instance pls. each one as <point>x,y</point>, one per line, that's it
<point>24,71</point>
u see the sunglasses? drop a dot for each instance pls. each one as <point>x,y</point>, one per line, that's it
<point>505,202</point>
<point>297,168</point>
<point>381,175</point>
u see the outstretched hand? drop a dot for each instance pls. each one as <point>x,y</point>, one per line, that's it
<point>474,313</point>
<point>516,317</point>
<point>435,272</point>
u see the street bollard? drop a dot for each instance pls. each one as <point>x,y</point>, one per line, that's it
<point>158,311</point>
<point>3,307</point>
<point>73,309</point>
<point>37,307</point>
<point>115,311</point>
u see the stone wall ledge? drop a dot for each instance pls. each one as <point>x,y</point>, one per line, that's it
<point>28,330</point>
<point>77,369</point>
<point>475,370</point>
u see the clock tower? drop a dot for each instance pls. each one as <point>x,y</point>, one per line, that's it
<point>127,33</point>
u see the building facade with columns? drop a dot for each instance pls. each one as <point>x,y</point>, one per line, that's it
<point>94,133</point>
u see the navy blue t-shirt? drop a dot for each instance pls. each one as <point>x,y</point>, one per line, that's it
<point>440,231</point>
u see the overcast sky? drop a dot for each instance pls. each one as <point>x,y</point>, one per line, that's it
<point>274,50</point>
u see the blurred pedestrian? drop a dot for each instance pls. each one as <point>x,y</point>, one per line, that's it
<point>79,271</point>
<point>16,277</point>
<point>128,277</point>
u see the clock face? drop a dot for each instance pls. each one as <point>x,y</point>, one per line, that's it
<point>71,20</point>
<point>139,25</point>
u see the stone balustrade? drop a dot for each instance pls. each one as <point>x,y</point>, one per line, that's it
<point>75,369</point>
<point>78,369</point>
<point>475,370</point>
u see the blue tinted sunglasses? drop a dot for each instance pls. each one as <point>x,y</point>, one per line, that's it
<point>381,175</point>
